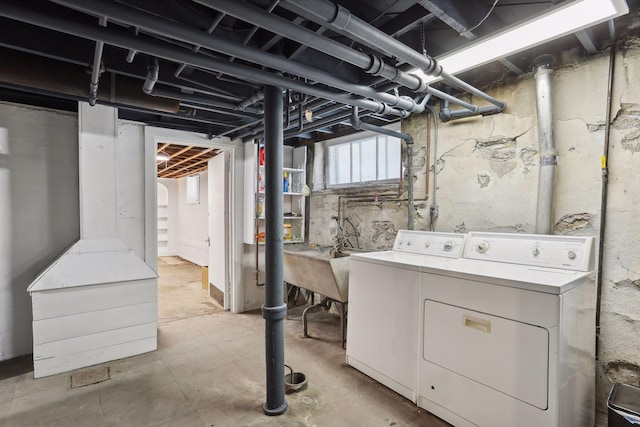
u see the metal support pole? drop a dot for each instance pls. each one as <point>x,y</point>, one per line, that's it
<point>274,309</point>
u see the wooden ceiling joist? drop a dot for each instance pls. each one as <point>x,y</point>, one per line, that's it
<point>170,174</point>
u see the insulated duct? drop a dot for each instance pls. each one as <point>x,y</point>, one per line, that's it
<point>547,151</point>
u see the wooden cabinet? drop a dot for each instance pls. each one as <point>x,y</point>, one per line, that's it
<point>293,180</point>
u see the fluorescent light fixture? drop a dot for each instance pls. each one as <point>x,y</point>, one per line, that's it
<point>553,24</point>
<point>162,157</point>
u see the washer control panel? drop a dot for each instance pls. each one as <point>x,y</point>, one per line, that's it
<point>448,245</point>
<point>564,252</point>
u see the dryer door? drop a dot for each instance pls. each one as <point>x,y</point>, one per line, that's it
<point>506,355</point>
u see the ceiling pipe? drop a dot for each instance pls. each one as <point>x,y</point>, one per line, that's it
<point>131,55</point>
<point>167,28</point>
<point>447,114</point>
<point>296,122</point>
<point>408,139</point>
<point>285,28</point>
<point>26,70</point>
<point>96,69</point>
<point>153,71</point>
<point>543,74</point>
<point>336,16</point>
<point>206,100</point>
<point>370,64</point>
<point>21,13</point>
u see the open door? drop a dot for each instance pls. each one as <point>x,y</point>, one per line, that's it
<point>218,183</point>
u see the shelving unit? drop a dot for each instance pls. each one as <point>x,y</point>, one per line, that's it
<point>163,229</point>
<point>294,161</point>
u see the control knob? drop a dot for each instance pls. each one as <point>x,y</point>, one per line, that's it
<point>482,247</point>
<point>427,243</point>
<point>535,251</point>
<point>571,255</point>
<point>448,246</point>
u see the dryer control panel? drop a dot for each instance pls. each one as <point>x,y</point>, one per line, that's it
<point>563,252</point>
<point>448,245</point>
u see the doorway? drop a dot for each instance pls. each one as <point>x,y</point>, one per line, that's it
<point>193,230</point>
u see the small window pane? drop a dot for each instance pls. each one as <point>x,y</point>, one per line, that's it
<point>355,153</point>
<point>344,164</point>
<point>368,160</point>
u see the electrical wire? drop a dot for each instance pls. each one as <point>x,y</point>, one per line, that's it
<point>464,34</point>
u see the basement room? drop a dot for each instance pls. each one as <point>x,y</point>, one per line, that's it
<point>350,213</point>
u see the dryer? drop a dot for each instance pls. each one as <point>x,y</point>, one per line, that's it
<point>384,288</point>
<point>507,333</point>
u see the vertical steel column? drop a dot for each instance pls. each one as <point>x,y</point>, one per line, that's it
<point>274,310</point>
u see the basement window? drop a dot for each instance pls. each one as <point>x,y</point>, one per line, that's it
<point>374,159</point>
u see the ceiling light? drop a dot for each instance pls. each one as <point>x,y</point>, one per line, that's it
<point>162,157</point>
<point>553,24</point>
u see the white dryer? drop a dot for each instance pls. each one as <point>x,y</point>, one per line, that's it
<point>507,333</point>
<point>384,287</point>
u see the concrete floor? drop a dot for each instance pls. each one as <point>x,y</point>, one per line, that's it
<point>209,370</point>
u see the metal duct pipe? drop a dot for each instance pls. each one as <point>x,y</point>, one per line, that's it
<point>341,19</point>
<point>408,139</point>
<point>178,54</point>
<point>176,31</point>
<point>548,153</point>
<point>26,70</point>
<point>96,68</point>
<point>274,309</point>
<point>153,70</point>
<point>202,99</point>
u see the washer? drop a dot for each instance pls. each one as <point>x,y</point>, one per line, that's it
<point>507,333</point>
<point>384,288</point>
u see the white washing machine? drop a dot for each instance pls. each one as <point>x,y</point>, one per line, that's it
<point>507,333</point>
<point>384,288</point>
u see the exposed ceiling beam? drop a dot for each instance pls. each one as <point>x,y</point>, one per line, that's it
<point>170,174</point>
<point>200,169</point>
<point>407,21</point>
<point>587,39</point>
<point>163,174</point>
<point>464,16</point>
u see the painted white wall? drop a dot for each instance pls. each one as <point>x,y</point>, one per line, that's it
<point>39,214</point>
<point>174,214</point>
<point>217,215</point>
<point>193,225</point>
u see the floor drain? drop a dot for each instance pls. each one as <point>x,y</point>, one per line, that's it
<point>307,400</point>
<point>91,376</point>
